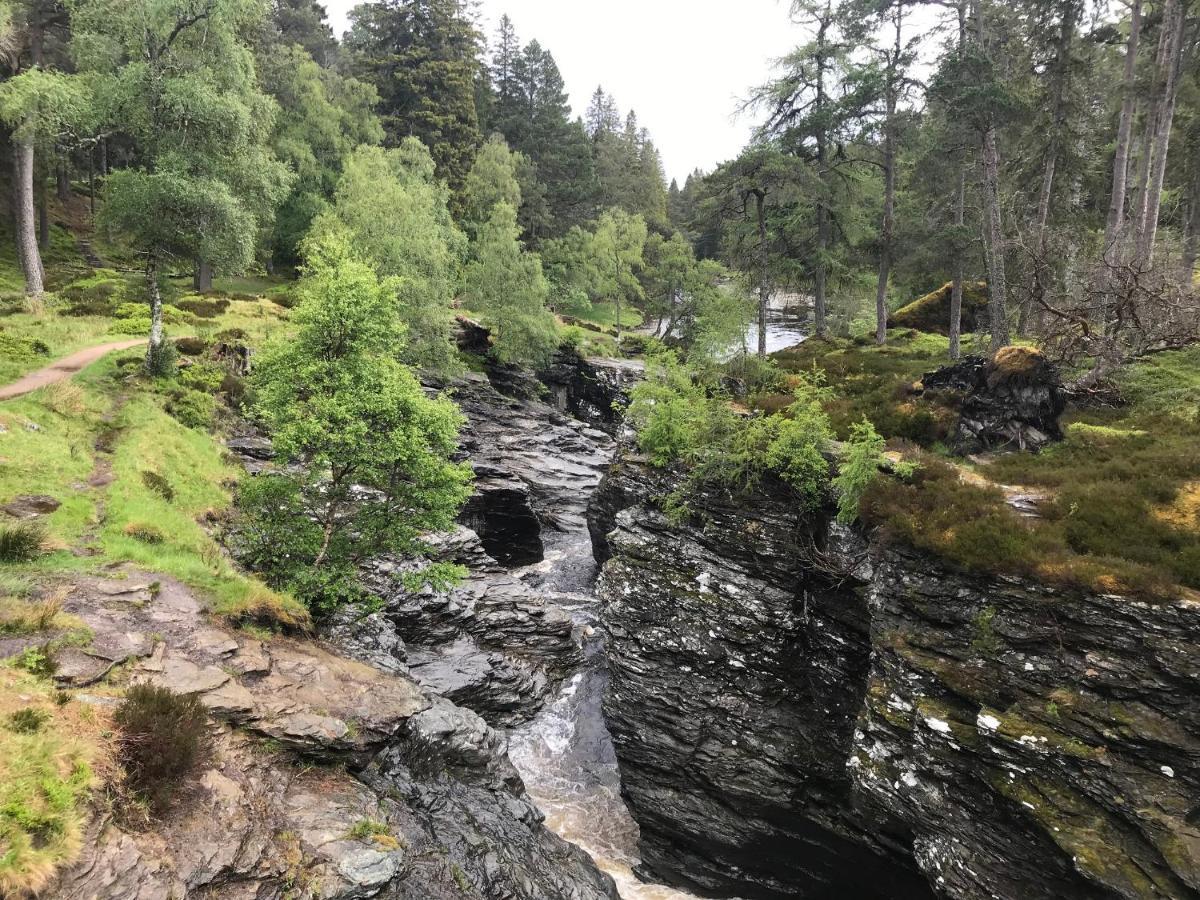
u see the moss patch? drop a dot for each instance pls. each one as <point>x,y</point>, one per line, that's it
<point>931,313</point>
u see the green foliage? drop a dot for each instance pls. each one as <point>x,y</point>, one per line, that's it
<point>859,467</point>
<point>40,104</point>
<point>202,376</point>
<point>505,285</point>
<point>21,542</point>
<point>192,408</point>
<point>390,208</point>
<point>679,421</point>
<point>37,661</point>
<point>422,57</point>
<point>162,361</point>
<point>339,403</point>
<point>98,294</point>
<point>203,307</point>
<point>491,181</point>
<point>28,720</point>
<point>163,736</point>
<point>159,485</point>
<point>177,215</point>
<point>616,249</point>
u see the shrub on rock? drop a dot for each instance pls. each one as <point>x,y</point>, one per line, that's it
<point>163,736</point>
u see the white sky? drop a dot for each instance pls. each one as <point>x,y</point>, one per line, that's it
<point>682,64</point>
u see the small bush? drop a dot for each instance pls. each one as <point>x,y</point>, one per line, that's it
<point>204,307</point>
<point>288,299</point>
<point>159,485</point>
<point>19,616</point>
<point>37,661</point>
<point>29,720</point>
<point>163,737</point>
<point>191,346</point>
<point>572,338</point>
<point>231,335</point>
<point>162,361</point>
<point>202,376</point>
<point>191,408</point>
<point>147,534</point>
<point>21,542</point>
<point>236,391</point>
<point>860,467</point>
<point>97,295</point>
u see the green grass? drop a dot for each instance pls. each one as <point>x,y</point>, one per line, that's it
<point>1123,513</point>
<point>47,771</point>
<point>875,382</point>
<point>605,313</point>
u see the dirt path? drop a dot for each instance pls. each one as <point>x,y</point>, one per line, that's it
<point>64,368</point>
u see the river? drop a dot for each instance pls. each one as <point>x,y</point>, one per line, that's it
<point>565,754</point>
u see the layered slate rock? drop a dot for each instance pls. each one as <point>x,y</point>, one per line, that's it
<point>735,679</point>
<point>1012,401</point>
<point>415,797</point>
<point>803,709</point>
<point>491,643</point>
<point>593,390</point>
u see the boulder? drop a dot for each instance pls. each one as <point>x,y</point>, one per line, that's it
<point>30,506</point>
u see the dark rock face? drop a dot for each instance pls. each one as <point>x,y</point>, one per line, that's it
<point>593,390</point>
<point>735,681</point>
<point>850,722</point>
<point>1012,401</point>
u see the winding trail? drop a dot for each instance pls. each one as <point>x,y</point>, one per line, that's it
<point>63,368</point>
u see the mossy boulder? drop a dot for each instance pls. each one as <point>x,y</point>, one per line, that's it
<point>931,313</point>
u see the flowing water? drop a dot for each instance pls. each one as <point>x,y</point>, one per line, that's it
<point>565,755</point>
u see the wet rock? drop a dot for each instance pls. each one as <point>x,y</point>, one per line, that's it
<point>797,713</point>
<point>491,643</point>
<point>735,678</point>
<point>1011,401</point>
<point>30,506</point>
<point>592,390</point>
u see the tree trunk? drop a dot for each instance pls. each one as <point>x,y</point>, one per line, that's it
<point>1147,231</point>
<point>1041,272</point>
<point>1191,230</point>
<point>26,227</point>
<point>202,277</point>
<point>760,198</point>
<point>889,185</point>
<point>62,181</point>
<point>1120,179</point>
<point>994,233</point>
<point>956,289</point>
<point>156,313</point>
<point>103,157</point>
<point>43,216</point>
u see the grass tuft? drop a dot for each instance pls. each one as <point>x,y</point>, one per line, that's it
<point>21,542</point>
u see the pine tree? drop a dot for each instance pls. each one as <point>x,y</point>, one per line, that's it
<point>423,57</point>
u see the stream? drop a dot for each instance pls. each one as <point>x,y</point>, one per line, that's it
<point>565,754</point>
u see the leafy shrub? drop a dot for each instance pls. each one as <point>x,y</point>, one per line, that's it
<point>572,338</point>
<point>231,335</point>
<point>159,485</point>
<point>161,362</point>
<point>147,534</point>
<point>191,346</point>
<point>633,344</point>
<point>21,542</point>
<point>99,294</point>
<point>204,307</point>
<point>21,348</point>
<point>859,467</point>
<point>236,390</point>
<point>191,408</point>
<point>28,720</point>
<point>202,376</point>
<point>288,299</point>
<point>162,737</point>
<point>37,661</point>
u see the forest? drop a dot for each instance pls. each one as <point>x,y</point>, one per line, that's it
<point>365,407</point>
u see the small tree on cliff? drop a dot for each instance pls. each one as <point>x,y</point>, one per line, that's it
<point>375,451</point>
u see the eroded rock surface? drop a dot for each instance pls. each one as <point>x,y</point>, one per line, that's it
<point>412,797</point>
<point>798,714</point>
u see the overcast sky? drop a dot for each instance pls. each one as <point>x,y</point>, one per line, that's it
<point>682,64</point>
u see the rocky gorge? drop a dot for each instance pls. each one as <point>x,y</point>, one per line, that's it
<point>800,713</point>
